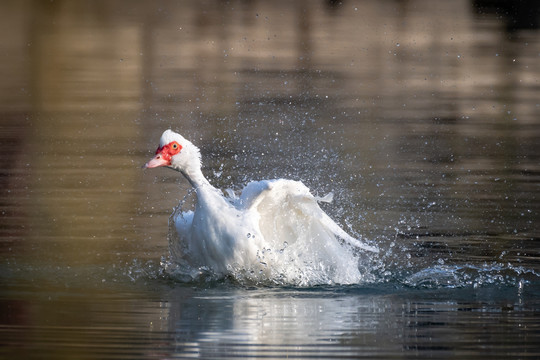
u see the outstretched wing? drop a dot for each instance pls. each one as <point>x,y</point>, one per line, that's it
<point>287,212</point>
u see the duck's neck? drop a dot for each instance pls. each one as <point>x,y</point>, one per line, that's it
<point>208,197</point>
<point>196,178</point>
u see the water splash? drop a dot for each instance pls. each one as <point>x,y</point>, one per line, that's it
<point>393,265</point>
<point>399,219</point>
<point>398,262</point>
<point>459,276</point>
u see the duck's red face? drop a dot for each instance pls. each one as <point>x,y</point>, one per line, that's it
<point>164,155</point>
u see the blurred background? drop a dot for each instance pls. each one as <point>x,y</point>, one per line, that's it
<point>422,116</point>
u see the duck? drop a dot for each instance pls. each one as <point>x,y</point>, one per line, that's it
<point>272,231</point>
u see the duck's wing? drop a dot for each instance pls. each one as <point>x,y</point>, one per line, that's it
<point>287,211</point>
<point>180,232</point>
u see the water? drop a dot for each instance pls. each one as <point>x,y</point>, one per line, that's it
<point>421,117</point>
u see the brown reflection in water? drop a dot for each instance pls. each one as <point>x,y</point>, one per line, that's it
<point>83,107</point>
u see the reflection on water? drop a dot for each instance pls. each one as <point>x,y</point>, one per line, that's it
<point>229,323</point>
<point>421,116</point>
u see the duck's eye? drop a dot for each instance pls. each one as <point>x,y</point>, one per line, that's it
<point>175,148</point>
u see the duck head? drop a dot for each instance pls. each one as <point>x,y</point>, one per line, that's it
<point>177,153</point>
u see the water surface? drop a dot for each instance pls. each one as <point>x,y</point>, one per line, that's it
<point>421,117</point>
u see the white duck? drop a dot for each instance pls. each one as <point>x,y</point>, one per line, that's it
<point>275,231</point>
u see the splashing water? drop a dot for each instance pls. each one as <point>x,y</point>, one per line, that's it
<point>454,276</point>
<point>385,200</point>
<point>290,265</point>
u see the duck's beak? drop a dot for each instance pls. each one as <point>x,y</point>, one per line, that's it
<point>157,161</point>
